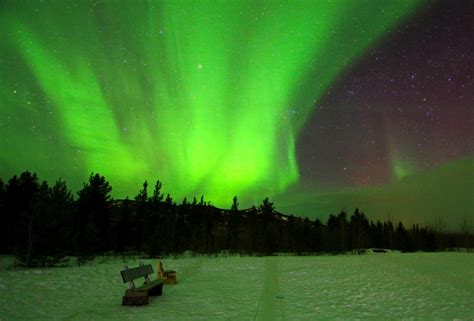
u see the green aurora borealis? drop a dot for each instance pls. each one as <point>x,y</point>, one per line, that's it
<point>195,93</point>
<point>208,96</point>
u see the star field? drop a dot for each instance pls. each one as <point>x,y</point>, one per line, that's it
<point>405,106</point>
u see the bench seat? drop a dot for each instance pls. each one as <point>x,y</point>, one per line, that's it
<point>153,288</point>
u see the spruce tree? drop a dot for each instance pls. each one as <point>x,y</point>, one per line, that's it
<point>235,204</point>
<point>93,215</point>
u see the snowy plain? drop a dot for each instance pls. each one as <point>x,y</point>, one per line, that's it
<point>388,286</point>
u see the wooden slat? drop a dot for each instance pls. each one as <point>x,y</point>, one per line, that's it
<point>135,273</point>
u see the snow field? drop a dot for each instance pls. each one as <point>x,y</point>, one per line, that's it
<point>417,286</point>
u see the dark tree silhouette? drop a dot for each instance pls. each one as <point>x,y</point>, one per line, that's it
<point>12,207</point>
<point>267,207</point>
<point>234,222</point>
<point>125,228</point>
<point>141,226</point>
<point>235,204</point>
<point>467,231</point>
<point>401,238</point>
<point>57,223</point>
<point>93,233</point>
<point>269,227</point>
<point>42,224</point>
<point>157,196</point>
<point>168,200</point>
<point>359,226</point>
<point>337,232</point>
<point>142,196</point>
<point>26,199</point>
<point>343,233</point>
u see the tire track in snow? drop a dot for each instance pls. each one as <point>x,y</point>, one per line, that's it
<point>270,306</point>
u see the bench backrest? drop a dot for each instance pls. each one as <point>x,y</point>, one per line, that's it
<point>135,273</point>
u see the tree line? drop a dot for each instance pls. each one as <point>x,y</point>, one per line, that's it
<point>42,224</point>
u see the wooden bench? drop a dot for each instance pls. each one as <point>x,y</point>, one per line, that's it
<point>139,295</point>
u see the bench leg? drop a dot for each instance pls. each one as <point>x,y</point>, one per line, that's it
<point>157,290</point>
<point>135,298</point>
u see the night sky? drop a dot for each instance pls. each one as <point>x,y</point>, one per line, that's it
<point>320,105</point>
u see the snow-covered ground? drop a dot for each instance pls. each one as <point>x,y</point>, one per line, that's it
<point>421,286</point>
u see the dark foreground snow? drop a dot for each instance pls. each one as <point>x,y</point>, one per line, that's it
<point>421,286</point>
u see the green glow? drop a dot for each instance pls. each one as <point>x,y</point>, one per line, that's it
<point>402,169</point>
<point>207,96</point>
<point>444,191</point>
<point>403,159</point>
